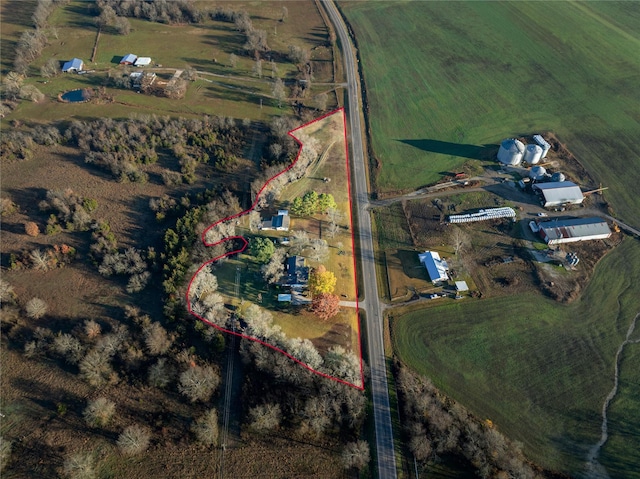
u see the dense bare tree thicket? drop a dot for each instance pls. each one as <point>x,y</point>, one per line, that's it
<point>162,11</point>
<point>436,425</point>
<point>281,394</point>
<point>123,146</point>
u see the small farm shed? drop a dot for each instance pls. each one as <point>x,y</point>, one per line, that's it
<point>128,59</point>
<point>74,65</point>
<point>142,61</point>
<point>461,286</point>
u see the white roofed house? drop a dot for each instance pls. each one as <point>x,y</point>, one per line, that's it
<point>437,268</point>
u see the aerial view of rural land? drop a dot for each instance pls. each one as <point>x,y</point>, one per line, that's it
<point>324,239</point>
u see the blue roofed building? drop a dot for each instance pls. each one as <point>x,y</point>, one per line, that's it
<point>437,268</point>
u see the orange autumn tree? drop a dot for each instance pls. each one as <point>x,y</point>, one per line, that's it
<point>325,306</point>
<point>322,281</point>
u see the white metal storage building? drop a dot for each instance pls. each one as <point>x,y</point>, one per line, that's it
<point>572,230</point>
<point>559,193</point>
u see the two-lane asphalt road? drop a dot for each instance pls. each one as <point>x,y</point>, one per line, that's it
<point>371,304</point>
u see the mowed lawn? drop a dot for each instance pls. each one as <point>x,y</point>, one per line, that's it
<point>446,77</point>
<point>538,369</point>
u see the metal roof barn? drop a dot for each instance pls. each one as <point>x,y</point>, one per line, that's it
<point>559,193</point>
<point>128,59</point>
<point>572,230</point>
<point>436,268</point>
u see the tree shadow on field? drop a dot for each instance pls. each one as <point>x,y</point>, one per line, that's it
<point>475,152</point>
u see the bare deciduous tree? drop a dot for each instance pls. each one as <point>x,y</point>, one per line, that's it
<point>92,329</point>
<point>355,454</point>
<point>198,383</point>
<point>36,308</point>
<point>319,249</point>
<point>206,428</point>
<point>299,241</point>
<point>265,417</point>
<point>321,101</point>
<point>96,369</point>
<point>80,465</point>
<point>274,269</point>
<point>459,239</point>
<point>279,92</point>
<point>160,374</point>
<point>69,347</point>
<point>99,412</point>
<point>134,439</point>
<point>39,260</point>
<point>7,294</point>
<point>156,339</point>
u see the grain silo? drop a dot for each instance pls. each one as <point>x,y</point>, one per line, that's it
<point>537,173</point>
<point>543,144</point>
<point>558,176</point>
<point>511,152</point>
<point>533,154</point>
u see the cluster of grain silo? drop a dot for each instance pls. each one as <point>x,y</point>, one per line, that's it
<point>533,154</point>
<point>512,151</point>
<point>537,173</point>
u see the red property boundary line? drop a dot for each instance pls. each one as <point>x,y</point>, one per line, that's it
<point>245,243</point>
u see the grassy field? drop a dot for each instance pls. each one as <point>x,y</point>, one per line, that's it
<point>205,47</point>
<point>538,369</point>
<point>461,75</point>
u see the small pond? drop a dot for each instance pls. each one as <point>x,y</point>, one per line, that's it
<point>77,95</point>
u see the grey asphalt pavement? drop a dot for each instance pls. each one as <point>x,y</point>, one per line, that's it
<point>386,465</point>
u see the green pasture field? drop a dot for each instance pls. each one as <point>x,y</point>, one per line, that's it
<point>391,226</point>
<point>16,17</point>
<point>227,91</point>
<point>444,79</point>
<point>540,369</point>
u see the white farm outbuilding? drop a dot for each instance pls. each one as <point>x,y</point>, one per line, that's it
<point>572,230</point>
<point>559,193</point>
